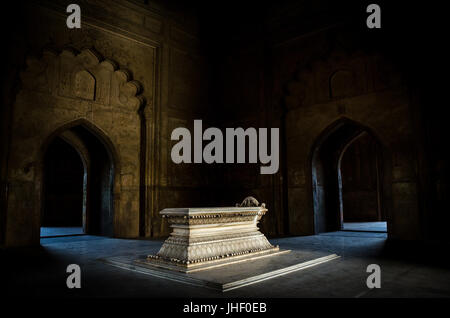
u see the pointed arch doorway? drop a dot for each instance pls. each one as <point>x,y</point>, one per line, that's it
<point>78,171</point>
<point>347,179</point>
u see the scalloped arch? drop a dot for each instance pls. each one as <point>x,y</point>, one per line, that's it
<point>66,74</point>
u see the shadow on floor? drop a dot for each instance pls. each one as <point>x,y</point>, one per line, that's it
<point>410,269</point>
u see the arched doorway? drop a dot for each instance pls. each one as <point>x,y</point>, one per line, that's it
<point>64,208</point>
<point>78,182</point>
<point>335,162</point>
<point>359,172</point>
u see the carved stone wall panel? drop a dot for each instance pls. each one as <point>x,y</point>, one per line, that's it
<point>42,109</point>
<point>103,87</point>
<point>89,58</point>
<point>117,79</point>
<point>123,50</point>
<point>84,85</point>
<point>77,79</point>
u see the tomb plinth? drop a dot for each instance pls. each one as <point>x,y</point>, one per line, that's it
<point>202,238</point>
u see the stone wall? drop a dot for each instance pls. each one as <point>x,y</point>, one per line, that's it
<point>365,88</point>
<point>305,85</point>
<point>131,74</point>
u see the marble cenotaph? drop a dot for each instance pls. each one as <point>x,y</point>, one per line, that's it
<point>204,238</point>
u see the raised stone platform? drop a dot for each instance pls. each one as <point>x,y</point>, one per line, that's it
<point>203,238</point>
<point>232,276</point>
<point>219,248</point>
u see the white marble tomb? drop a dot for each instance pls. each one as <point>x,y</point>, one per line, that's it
<point>203,238</point>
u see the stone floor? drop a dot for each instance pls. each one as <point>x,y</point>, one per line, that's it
<point>406,272</point>
<point>365,226</point>
<point>60,231</point>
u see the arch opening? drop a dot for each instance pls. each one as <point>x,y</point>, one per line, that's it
<point>64,206</point>
<point>346,180</point>
<point>78,184</point>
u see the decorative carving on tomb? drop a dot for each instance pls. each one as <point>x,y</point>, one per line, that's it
<point>249,201</point>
